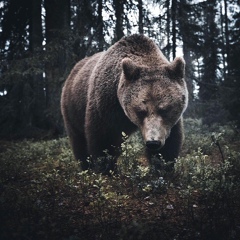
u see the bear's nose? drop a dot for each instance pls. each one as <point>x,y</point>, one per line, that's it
<point>153,145</point>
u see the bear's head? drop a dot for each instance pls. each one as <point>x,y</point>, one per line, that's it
<point>153,98</point>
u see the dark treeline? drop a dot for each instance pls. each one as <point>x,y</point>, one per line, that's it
<point>41,40</point>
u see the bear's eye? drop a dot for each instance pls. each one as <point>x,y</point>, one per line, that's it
<point>141,114</point>
<point>162,112</point>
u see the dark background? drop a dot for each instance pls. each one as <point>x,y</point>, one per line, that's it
<point>41,40</point>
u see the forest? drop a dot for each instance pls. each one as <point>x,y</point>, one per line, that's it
<point>43,192</point>
<point>42,40</point>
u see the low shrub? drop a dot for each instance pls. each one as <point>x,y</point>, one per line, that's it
<point>45,195</point>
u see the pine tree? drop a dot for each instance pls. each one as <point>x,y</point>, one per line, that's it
<point>57,30</point>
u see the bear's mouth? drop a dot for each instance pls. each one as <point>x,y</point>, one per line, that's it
<point>153,145</point>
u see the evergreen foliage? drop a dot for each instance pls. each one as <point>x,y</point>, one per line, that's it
<point>41,41</point>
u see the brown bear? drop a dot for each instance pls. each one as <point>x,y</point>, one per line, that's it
<point>128,87</point>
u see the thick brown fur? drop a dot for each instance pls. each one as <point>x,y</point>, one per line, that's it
<point>130,86</point>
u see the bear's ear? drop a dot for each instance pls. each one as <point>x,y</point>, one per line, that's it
<point>177,68</point>
<point>130,69</point>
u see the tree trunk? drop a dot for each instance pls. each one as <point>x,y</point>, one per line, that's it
<point>100,26</point>
<point>226,30</point>
<point>184,30</point>
<point>174,30</point>
<point>208,87</point>
<point>140,16</point>
<point>119,13</point>
<point>82,28</point>
<point>223,43</point>
<point>168,48</point>
<point>36,38</point>
<point>57,27</point>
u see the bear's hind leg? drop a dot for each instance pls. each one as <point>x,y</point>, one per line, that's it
<point>79,147</point>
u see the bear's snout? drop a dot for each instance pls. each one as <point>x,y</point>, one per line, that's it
<point>154,133</point>
<point>153,145</point>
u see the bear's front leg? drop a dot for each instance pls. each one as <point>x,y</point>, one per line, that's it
<point>103,147</point>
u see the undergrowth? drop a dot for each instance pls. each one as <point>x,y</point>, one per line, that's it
<point>45,195</point>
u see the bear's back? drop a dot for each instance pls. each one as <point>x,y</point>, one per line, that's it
<point>140,49</point>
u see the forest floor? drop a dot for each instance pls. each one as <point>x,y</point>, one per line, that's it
<point>44,195</point>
